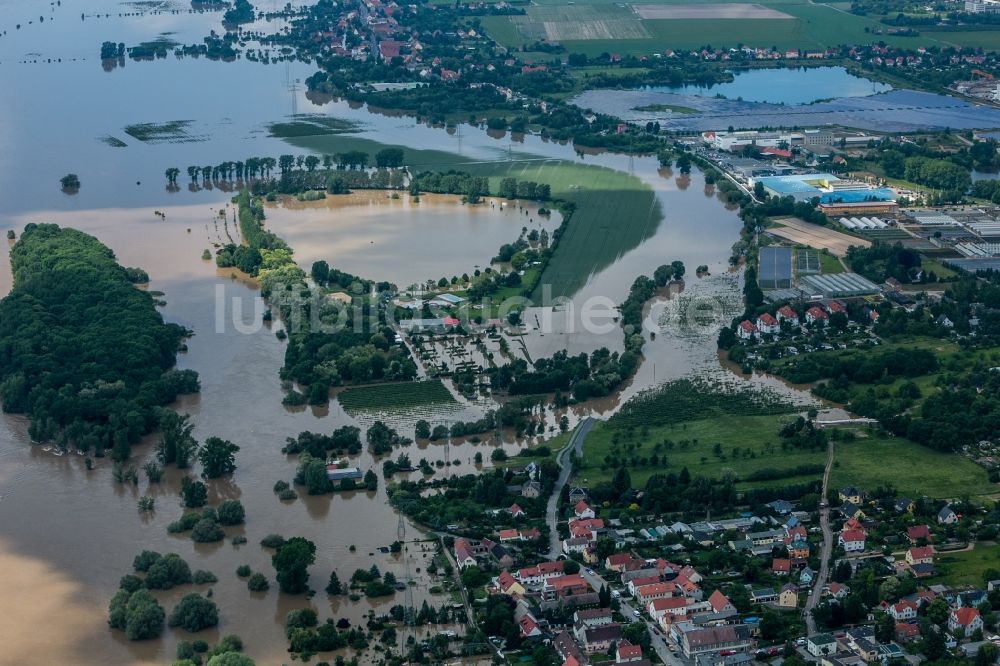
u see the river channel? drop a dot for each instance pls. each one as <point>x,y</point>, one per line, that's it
<point>68,534</point>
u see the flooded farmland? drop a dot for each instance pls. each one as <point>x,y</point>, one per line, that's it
<point>67,534</point>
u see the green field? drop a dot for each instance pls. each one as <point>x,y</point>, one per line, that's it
<point>598,26</point>
<point>388,397</point>
<point>830,264</point>
<point>912,469</point>
<point>615,210</point>
<point>755,436</point>
<point>967,568</point>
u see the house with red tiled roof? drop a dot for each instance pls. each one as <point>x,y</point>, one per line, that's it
<point>627,652</point>
<point>746,330</point>
<point>965,620</point>
<point>838,590</point>
<point>920,555</point>
<point>646,593</point>
<point>781,566</point>
<point>674,606</point>
<point>617,562</point>
<point>507,584</point>
<point>509,535</point>
<point>720,603</point>
<point>834,307</point>
<point>529,628</point>
<point>918,532</point>
<point>852,541</point>
<point>907,632</point>
<point>785,313</point>
<point>582,510</point>
<point>563,586</point>
<point>903,610</point>
<point>816,314</point>
<point>767,324</point>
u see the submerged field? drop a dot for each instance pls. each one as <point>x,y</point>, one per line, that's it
<point>597,26</point>
<point>615,211</point>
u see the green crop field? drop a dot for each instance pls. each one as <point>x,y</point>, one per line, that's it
<point>388,397</point>
<point>914,470</point>
<point>693,447</point>
<point>597,26</point>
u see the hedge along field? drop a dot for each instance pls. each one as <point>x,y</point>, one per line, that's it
<point>591,241</point>
<point>388,397</point>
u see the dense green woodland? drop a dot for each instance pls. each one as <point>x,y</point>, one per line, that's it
<point>83,352</point>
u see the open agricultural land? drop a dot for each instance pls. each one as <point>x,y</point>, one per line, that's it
<point>388,397</point>
<point>644,28</point>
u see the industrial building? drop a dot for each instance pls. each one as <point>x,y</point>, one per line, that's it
<point>825,187</point>
<point>775,268</point>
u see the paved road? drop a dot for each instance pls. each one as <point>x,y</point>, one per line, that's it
<point>566,468</point>
<point>827,549</point>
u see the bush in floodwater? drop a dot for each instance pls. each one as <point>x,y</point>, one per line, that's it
<point>146,504</point>
<point>243,570</point>
<point>167,572</point>
<point>287,495</point>
<point>272,541</point>
<point>194,613</point>
<point>154,471</point>
<point>231,512</point>
<point>144,560</point>
<point>202,577</point>
<point>280,486</point>
<point>258,583</point>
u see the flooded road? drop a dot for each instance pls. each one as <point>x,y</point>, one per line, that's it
<point>68,534</point>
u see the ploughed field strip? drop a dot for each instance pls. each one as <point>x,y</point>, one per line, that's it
<point>820,238</point>
<point>709,12</point>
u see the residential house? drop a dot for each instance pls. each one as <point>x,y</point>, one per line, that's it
<point>646,593</point>
<point>903,611</point>
<point>599,639</point>
<point>850,494</point>
<point>670,606</point>
<point>582,510</point>
<point>781,566</point>
<point>919,534</point>
<point>903,505</point>
<point>851,510</point>
<point>852,541</point>
<point>720,603</point>
<point>838,590</point>
<point>946,516</point>
<point>746,330</point>
<point>920,555</point>
<point>906,631</point>
<point>537,574</point>
<point>780,506</point>
<point>509,535</point>
<point>564,586</point>
<point>595,617</point>
<point>577,495</point>
<point>965,620</point>
<point>463,554</point>
<point>816,314</point>
<point>618,562</point>
<point>806,576</point>
<point>798,548</point>
<point>568,649</point>
<point>652,579</point>
<point>785,313</point>
<point>695,641</point>
<point>626,652</point>
<point>516,511</point>
<point>532,490</point>
<point>767,324</point>
<point>575,545</point>
<point>819,645</point>
<point>789,596</point>
<point>529,627</point>
<point>509,585</point>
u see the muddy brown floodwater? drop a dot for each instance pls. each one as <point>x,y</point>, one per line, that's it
<point>367,232</point>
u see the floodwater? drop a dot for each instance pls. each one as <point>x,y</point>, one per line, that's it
<point>786,85</point>
<point>365,233</point>
<point>67,534</point>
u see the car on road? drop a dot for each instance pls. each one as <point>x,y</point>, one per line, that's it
<point>636,613</point>
<point>616,594</point>
<point>590,571</point>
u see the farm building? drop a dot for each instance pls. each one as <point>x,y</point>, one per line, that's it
<point>775,270</point>
<point>335,473</point>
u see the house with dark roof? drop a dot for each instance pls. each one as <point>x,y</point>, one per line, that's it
<point>696,640</point>
<point>946,516</point>
<point>599,639</point>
